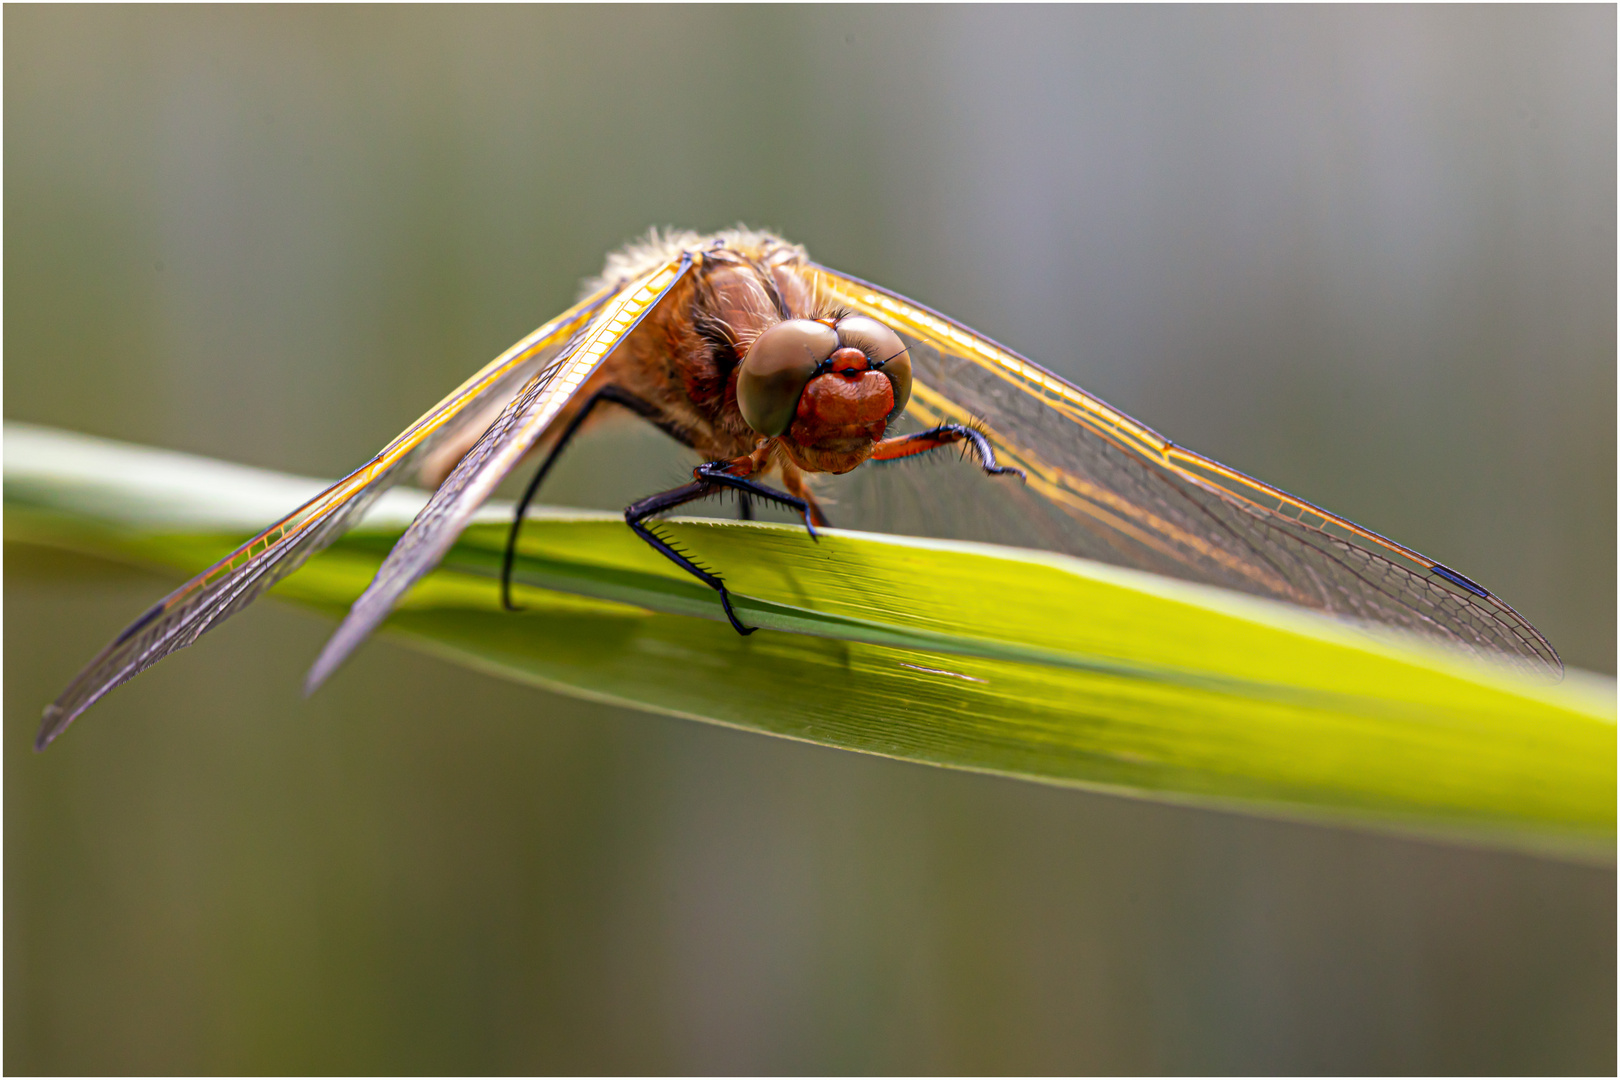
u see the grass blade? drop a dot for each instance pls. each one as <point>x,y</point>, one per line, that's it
<point>969,656</point>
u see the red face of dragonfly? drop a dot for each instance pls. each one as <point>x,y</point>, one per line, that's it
<point>827,387</point>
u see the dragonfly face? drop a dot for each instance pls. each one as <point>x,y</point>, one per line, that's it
<point>827,387</point>
<point>823,382</point>
<point>773,367</point>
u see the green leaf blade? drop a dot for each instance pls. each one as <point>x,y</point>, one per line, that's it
<point>967,656</point>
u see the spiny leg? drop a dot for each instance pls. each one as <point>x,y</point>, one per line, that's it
<point>723,474</point>
<point>904,446</point>
<point>637,512</point>
<point>615,394</point>
<point>711,478</point>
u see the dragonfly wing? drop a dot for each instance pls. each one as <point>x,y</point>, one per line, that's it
<point>237,580</point>
<point>519,426</point>
<point>1104,486</point>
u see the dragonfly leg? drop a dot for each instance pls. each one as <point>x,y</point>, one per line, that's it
<point>721,474</point>
<point>638,512</point>
<point>708,480</point>
<point>610,393</point>
<point>904,446</point>
<point>793,480</point>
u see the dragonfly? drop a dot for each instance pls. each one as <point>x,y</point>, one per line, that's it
<point>772,367</point>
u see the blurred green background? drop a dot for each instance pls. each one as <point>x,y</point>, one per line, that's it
<point>1365,254</point>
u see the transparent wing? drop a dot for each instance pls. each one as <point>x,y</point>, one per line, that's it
<point>519,426</point>
<point>237,580</point>
<point>1103,486</point>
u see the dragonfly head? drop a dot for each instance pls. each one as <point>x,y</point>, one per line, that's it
<point>826,387</point>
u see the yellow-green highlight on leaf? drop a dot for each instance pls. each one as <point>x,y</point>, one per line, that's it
<point>970,656</point>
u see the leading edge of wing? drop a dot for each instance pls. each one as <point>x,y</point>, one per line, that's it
<point>519,426</point>
<point>236,580</point>
<point>1132,436</point>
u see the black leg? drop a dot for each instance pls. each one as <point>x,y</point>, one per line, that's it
<point>987,455</point>
<point>637,512</point>
<point>715,473</point>
<point>745,507</point>
<point>711,479</point>
<point>618,396</point>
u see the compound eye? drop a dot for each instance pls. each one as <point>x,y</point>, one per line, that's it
<point>774,372</point>
<point>884,351</point>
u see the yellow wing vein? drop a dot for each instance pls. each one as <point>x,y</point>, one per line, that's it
<point>1108,422</point>
<point>412,437</point>
<point>1066,488</point>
